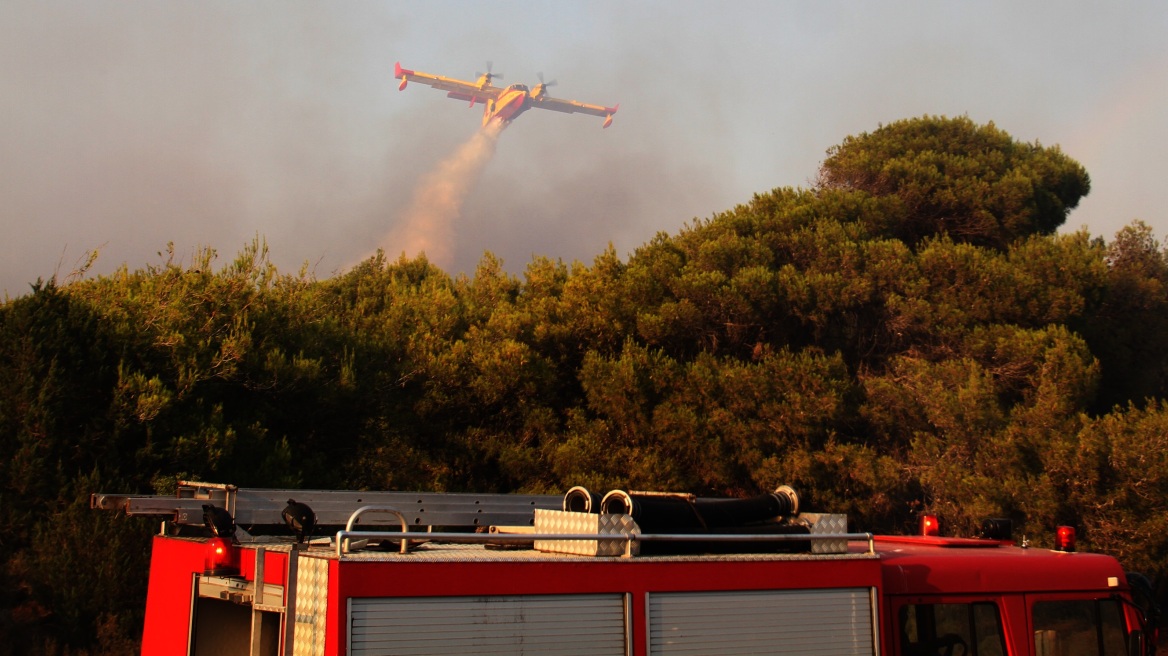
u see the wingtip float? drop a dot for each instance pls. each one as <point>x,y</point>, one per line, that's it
<point>502,103</point>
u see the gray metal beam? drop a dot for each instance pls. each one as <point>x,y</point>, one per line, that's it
<point>259,506</point>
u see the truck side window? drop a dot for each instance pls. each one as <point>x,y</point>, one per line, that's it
<point>973,629</point>
<point>1079,627</point>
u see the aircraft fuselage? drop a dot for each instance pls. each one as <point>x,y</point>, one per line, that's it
<point>512,102</point>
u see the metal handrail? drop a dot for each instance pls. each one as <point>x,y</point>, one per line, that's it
<point>372,509</point>
<point>629,539</point>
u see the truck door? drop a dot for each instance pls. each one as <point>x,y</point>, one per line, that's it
<point>830,621</point>
<point>502,625</point>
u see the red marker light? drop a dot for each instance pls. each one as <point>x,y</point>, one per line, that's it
<point>1064,538</point>
<point>930,526</point>
<point>220,558</point>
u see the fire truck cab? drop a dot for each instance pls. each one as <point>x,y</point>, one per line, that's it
<point>540,576</point>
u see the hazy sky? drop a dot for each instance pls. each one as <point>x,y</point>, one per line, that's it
<point>126,125</point>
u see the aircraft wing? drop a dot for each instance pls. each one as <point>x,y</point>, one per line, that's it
<point>460,89</point>
<point>572,106</point>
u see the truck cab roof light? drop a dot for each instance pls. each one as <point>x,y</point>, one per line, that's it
<point>1064,539</point>
<point>930,526</point>
<point>220,558</point>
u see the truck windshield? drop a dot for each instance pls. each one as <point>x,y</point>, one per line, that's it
<point>970,629</point>
<point>1079,627</point>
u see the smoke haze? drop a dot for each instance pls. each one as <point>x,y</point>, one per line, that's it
<point>125,125</point>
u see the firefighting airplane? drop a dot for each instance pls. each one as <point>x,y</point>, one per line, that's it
<point>503,103</point>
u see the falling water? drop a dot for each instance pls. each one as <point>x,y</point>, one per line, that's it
<point>427,225</point>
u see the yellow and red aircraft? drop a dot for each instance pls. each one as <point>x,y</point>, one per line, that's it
<point>503,103</point>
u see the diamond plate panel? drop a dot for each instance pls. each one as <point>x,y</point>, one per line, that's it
<point>827,524</point>
<point>575,523</point>
<point>311,606</point>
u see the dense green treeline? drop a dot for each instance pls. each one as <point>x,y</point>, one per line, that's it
<point>908,334</point>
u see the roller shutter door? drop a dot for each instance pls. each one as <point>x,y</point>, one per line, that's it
<point>762,622</point>
<point>522,624</point>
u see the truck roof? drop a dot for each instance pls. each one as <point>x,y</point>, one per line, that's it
<point>905,564</point>
<point>909,565</point>
<point>921,565</point>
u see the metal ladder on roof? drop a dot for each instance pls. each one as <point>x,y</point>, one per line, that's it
<point>263,506</point>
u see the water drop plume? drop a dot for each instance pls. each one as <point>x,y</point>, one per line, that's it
<point>428,223</point>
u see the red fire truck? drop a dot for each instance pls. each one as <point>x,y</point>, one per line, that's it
<point>627,573</point>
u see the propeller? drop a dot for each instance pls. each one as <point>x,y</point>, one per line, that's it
<point>489,74</point>
<point>545,84</point>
